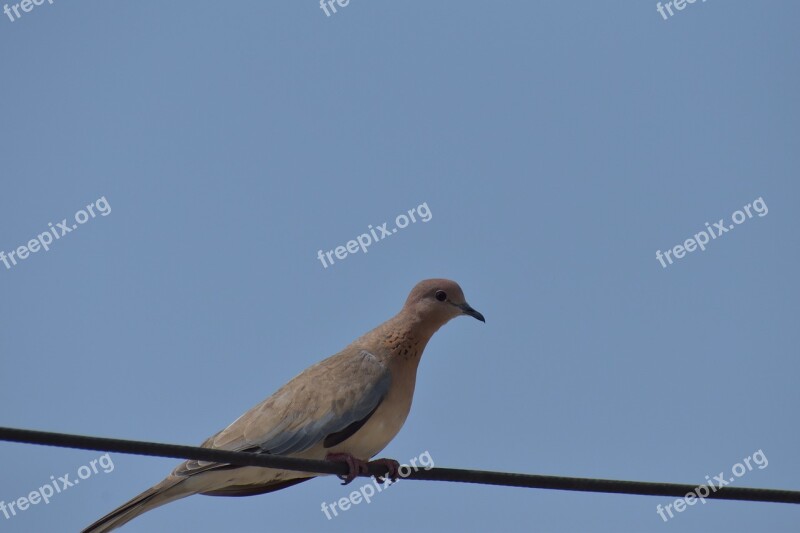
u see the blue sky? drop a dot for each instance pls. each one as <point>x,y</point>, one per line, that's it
<point>557,145</point>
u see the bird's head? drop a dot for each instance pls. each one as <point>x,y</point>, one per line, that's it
<point>437,301</point>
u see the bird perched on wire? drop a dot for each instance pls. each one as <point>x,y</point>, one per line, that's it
<point>345,408</point>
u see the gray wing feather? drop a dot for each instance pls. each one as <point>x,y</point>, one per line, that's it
<point>324,399</point>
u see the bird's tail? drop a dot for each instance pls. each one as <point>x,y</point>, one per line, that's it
<point>171,489</point>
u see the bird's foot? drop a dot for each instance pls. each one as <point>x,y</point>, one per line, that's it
<point>355,466</point>
<point>392,469</point>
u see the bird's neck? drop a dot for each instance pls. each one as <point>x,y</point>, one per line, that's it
<point>404,337</point>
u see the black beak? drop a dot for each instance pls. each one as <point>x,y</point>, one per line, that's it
<point>467,310</point>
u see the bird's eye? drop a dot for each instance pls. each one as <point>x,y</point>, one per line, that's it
<point>441,296</point>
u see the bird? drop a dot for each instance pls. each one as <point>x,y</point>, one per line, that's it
<point>346,408</point>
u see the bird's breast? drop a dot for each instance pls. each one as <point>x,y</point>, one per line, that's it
<point>387,420</point>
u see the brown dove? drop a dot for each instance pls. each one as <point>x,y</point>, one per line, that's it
<point>345,408</point>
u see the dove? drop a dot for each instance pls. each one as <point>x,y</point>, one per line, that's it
<point>346,408</point>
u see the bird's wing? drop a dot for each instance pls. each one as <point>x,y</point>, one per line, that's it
<point>327,402</point>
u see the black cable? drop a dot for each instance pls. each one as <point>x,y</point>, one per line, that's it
<point>153,449</point>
